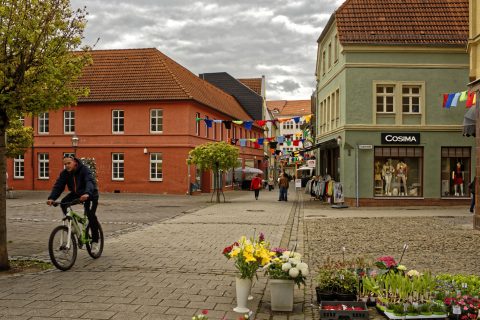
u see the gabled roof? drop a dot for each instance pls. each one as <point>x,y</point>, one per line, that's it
<point>146,75</point>
<point>249,100</point>
<point>289,108</point>
<point>397,22</point>
<point>254,84</point>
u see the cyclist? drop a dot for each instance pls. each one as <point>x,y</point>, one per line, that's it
<point>81,184</point>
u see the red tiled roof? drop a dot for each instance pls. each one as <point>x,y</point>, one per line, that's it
<point>431,22</point>
<point>290,107</point>
<point>255,84</point>
<point>148,74</point>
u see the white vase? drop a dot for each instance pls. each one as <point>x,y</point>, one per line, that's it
<point>242,287</point>
<point>281,294</point>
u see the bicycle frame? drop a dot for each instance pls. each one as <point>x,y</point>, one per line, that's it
<point>72,221</point>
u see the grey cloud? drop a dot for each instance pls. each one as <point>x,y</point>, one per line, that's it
<point>222,35</point>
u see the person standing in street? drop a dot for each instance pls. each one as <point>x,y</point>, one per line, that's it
<point>472,193</point>
<point>256,185</point>
<point>283,185</point>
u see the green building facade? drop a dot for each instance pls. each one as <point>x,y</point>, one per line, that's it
<point>381,128</point>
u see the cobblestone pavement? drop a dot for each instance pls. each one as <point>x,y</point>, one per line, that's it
<point>173,268</point>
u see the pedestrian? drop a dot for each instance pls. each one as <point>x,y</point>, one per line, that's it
<point>270,183</point>
<point>256,185</point>
<point>81,184</point>
<point>283,185</point>
<point>472,193</point>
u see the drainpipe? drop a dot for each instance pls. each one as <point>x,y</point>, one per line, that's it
<point>356,176</point>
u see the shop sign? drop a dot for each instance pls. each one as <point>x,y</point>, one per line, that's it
<point>401,138</point>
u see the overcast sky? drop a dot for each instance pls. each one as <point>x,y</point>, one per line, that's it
<point>247,38</point>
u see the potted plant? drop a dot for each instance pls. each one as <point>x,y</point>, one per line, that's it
<point>285,271</point>
<point>326,285</point>
<point>347,285</point>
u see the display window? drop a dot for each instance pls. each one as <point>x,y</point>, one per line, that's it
<point>398,172</point>
<point>456,174</point>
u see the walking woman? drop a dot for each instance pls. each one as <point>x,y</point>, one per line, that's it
<point>256,185</point>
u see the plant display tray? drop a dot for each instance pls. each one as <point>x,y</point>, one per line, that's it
<point>342,310</point>
<point>420,316</point>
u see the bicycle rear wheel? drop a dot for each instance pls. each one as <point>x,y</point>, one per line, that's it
<point>62,257</point>
<point>95,250</point>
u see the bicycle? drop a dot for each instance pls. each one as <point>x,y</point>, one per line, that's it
<point>74,232</point>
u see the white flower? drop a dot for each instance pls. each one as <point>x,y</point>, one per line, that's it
<point>294,261</point>
<point>286,266</point>
<point>303,267</point>
<point>305,272</point>
<point>293,272</point>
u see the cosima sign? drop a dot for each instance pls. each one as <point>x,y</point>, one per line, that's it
<point>401,138</point>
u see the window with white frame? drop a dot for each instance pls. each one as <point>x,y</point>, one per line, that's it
<point>118,121</point>
<point>288,125</point>
<point>19,167</point>
<point>411,99</point>
<point>118,166</point>
<point>69,121</point>
<point>197,124</point>
<point>156,121</point>
<point>43,166</point>
<point>384,98</point>
<point>156,167</point>
<point>43,122</point>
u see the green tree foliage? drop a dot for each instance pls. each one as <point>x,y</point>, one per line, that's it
<point>19,139</point>
<point>39,64</point>
<point>215,156</point>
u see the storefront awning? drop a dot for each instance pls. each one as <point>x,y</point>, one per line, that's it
<point>469,122</point>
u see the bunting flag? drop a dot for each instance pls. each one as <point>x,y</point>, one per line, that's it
<point>455,99</point>
<point>233,141</point>
<point>227,124</point>
<point>260,141</point>
<point>261,122</point>
<point>248,125</point>
<point>452,99</point>
<point>296,119</point>
<point>280,139</point>
<point>243,142</point>
<point>308,118</point>
<point>208,122</point>
<point>237,121</point>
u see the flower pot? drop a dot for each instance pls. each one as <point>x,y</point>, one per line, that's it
<point>324,295</point>
<point>281,294</point>
<point>346,297</point>
<point>242,288</point>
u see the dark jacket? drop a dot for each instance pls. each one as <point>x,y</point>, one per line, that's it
<point>472,185</point>
<point>79,182</point>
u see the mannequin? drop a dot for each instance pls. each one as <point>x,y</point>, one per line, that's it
<point>402,177</point>
<point>387,174</point>
<point>457,176</point>
<point>378,176</point>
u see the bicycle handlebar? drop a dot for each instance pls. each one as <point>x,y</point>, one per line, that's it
<point>68,204</point>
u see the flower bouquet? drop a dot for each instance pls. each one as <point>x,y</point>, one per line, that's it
<point>287,265</point>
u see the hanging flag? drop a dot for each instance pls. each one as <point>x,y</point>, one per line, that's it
<point>237,121</point>
<point>296,119</point>
<point>261,122</point>
<point>280,139</point>
<point>463,96</point>
<point>260,141</point>
<point>469,102</point>
<point>198,119</point>
<point>227,124</point>
<point>295,143</point>
<point>256,145</point>
<point>248,125</point>
<point>208,122</point>
<point>289,143</point>
<point>445,99</point>
<point>281,120</point>
<point>243,142</point>
<point>455,99</point>
<point>474,99</point>
<point>217,121</point>
<point>449,100</point>
<point>308,118</point>
<point>273,145</point>
<point>233,141</point>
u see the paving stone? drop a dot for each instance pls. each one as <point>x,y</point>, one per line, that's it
<point>99,314</point>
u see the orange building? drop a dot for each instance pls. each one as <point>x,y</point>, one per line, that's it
<point>139,122</point>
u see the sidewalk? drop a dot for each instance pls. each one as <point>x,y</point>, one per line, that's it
<point>170,270</point>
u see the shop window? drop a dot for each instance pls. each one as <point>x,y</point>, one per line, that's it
<point>398,172</point>
<point>456,174</point>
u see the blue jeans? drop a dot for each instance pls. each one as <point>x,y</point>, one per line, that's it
<point>283,194</point>
<point>472,202</point>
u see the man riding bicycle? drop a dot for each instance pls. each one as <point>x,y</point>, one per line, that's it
<point>81,184</point>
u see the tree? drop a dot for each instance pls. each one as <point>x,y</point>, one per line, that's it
<point>215,156</point>
<point>39,66</point>
<point>19,138</point>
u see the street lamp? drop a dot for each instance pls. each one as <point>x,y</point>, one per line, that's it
<point>75,144</point>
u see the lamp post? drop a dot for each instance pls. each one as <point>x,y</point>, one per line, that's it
<point>75,144</point>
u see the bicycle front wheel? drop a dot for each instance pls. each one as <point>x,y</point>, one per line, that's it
<point>95,249</point>
<point>62,257</point>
